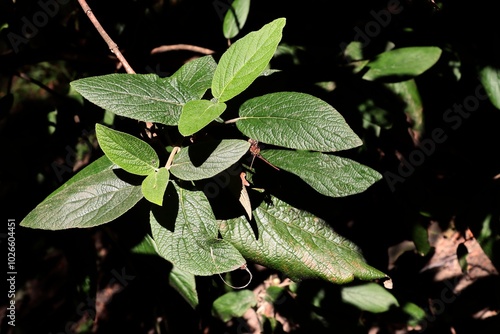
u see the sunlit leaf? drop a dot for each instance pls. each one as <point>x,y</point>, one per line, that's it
<point>154,185</point>
<point>196,75</point>
<point>197,114</point>
<point>185,284</point>
<point>233,304</point>
<point>144,97</point>
<point>186,234</point>
<point>369,297</point>
<point>296,243</point>
<point>490,78</point>
<point>206,159</point>
<point>402,64</point>
<point>235,18</point>
<point>130,153</point>
<point>245,60</point>
<point>296,120</point>
<point>90,201</point>
<point>328,174</point>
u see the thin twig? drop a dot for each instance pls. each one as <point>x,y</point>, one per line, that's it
<point>171,157</point>
<point>184,47</point>
<point>112,45</point>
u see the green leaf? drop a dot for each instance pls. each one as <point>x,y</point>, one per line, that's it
<point>296,120</point>
<point>235,18</point>
<point>369,297</point>
<point>416,313</point>
<point>146,246</point>
<point>233,304</point>
<point>197,114</point>
<point>245,60</point>
<point>297,243</point>
<point>144,97</point>
<point>88,202</point>
<point>327,174</point>
<point>154,185</point>
<point>402,64</point>
<point>99,165</point>
<point>130,153</point>
<point>196,75</point>
<point>184,283</point>
<point>490,78</point>
<point>185,231</point>
<point>206,159</point>
<point>414,109</point>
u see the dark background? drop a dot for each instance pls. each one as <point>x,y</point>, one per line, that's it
<point>58,271</point>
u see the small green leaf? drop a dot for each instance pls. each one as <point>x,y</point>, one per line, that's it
<point>413,109</point>
<point>154,185</point>
<point>146,246</point>
<point>130,153</point>
<point>206,159</point>
<point>296,243</point>
<point>369,297</point>
<point>420,237</point>
<point>185,231</point>
<point>296,120</point>
<point>144,97</point>
<point>235,18</point>
<point>197,114</point>
<point>233,304</point>
<point>402,64</point>
<point>490,78</point>
<point>196,75</point>
<point>88,202</point>
<point>327,174</point>
<point>416,313</point>
<point>185,284</point>
<point>245,60</point>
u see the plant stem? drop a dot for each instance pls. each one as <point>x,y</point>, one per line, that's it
<point>171,157</point>
<point>112,45</point>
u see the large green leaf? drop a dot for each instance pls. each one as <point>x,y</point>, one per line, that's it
<point>130,153</point>
<point>99,165</point>
<point>144,97</point>
<point>245,60</point>
<point>197,114</point>
<point>186,234</point>
<point>327,174</point>
<point>296,120</point>
<point>233,304</point>
<point>88,202</point>
<point>296,243</point>
<point>235,18</point>
<point>369,297</point>
<point>403,63</point>
<point>206,159</point>
<point>196,75</point>
<point>490,78</point>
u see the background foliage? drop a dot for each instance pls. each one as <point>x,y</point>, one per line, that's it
<point>431,224</point>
